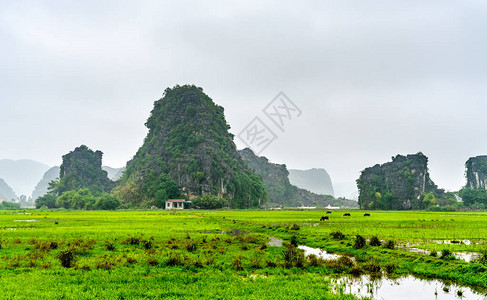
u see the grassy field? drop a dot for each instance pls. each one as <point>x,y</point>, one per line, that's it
<point>224,254</point>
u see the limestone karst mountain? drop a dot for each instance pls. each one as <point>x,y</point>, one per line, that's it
<point>396,185</point>
<point>189,140</point>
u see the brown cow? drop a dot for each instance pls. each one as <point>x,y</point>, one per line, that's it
<point>346,214</point>
<point>366,215</point>
<point>324,218</point>
<point>328,212</point>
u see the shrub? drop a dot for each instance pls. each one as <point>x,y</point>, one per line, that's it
<point>208,201</point>
<point>66,257</point>
<point>293,257</point>
<point>390,244</point>
<point>374,241</point>
<point>359,242</point>
<point>337,235</point>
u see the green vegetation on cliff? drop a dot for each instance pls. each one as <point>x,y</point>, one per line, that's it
<point>189,141</point>
<point>81,168</point>
<point>400,184</point>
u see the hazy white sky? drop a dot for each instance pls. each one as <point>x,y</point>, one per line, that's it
<point>372,78</point>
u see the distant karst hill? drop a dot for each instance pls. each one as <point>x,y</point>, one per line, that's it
<point>189,141</point>
<point>399,184</point>
<point>81,168</point>
<point>279,188</point>
<point>43,185</point>
<point>476,172</point>
<point>314,180</point>
<point>6,192</point>
<point>22,175</point>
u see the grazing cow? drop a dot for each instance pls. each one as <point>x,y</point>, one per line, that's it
<point>324,218</point>
<point>366,215</point>
<point>328,212</point>
<point>346,214</point>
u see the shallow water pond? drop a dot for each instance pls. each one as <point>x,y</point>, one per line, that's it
<point>406,288</point>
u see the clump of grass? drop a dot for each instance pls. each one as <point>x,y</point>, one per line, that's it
<point>237,263</point>
<point>132,240</point>
<point>131,260</point>
<point>374,241</point>
<point>446,254</point>
<point>390,244</point>
<point>147,244</point>
<point>294,241</point>
<point>337,235</point>
<point>262,246</point>
<point>295,227</point>
<point>343,263</point>
<point>104,263</point>
<point>390,268</point>
<point>110,245</point>
<point>66,257</point>
<point>433,253</point>
<point>315,261</point>
<point>359,242</point>
<point>270,263</point>
<point>293,257</point>
<point>372,267</point>
<point>356,271</point>
<point>174,260</point>
<point>255,262</point>
<point>190,246</point>
<point>151,261</point>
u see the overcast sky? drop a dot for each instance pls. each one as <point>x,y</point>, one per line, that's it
<point>372,78</point>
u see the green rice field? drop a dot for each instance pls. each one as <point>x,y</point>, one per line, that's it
<point>226,254</point>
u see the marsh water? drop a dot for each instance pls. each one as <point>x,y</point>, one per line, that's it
<point>407,288</point>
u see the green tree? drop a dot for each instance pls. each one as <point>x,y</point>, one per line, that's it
<point>208,201</point>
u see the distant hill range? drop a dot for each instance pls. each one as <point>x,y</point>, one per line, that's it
<point>314,180</point>
<point>114,173</point>
<point>6,192</point>
<point>22,175</point>
<point>281,191</point>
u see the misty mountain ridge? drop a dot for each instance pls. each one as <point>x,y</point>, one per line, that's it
<point>22,175</point>
<point>314,180</point>
<point>6,192</point>
<point>114,173</point>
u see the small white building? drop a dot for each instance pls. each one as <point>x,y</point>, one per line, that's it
<point>332,207</point>
<point>177,204</point>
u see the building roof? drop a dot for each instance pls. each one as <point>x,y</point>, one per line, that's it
<point>176,200</point>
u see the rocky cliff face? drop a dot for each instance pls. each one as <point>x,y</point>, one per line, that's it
<point>314,180</point>
<point>476,172</point>
<point>396,185</point>
<point>281,191</point>
<point>81,168</point>
<point>189,140</point>
<point>42,187</point>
